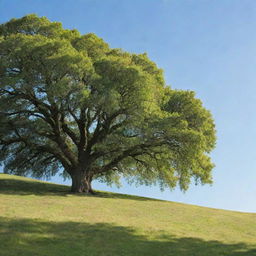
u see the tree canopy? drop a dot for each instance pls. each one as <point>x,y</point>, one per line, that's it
<point>69,103</point>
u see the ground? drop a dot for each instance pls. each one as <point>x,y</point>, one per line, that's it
<point>38,219</point>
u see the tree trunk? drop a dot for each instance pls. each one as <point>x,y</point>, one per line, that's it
<point>81,183</point>
<point>77,182</point>
<point>88,185</point>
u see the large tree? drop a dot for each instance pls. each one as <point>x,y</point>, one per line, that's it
<point>70,103</point>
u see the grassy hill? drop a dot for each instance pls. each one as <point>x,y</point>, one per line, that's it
<point>41,219</point>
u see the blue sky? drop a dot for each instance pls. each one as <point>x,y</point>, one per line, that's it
<point>208,46</point>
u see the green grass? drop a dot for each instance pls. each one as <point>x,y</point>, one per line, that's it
<point>41,219</point>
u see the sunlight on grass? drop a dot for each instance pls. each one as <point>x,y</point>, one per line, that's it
<point>40,218</point>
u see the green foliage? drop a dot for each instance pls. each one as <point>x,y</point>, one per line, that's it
<point>69,101</point>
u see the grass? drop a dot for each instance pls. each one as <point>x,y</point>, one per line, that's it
<point>39,219</point>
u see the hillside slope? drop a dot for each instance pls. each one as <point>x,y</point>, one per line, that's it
<point>39,218</point>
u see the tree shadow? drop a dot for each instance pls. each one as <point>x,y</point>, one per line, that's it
<point>34,187</point>
<point>104,194</point>
<point>27,187</point>
<point>35,237</point>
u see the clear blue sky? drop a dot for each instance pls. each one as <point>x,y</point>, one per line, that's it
<point>203,45</point>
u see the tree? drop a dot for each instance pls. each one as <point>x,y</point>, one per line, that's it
<point>68,102</point>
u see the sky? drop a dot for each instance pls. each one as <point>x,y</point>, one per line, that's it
<point>208,46</point>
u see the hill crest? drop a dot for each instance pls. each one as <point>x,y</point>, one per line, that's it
<point>41,218</point>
